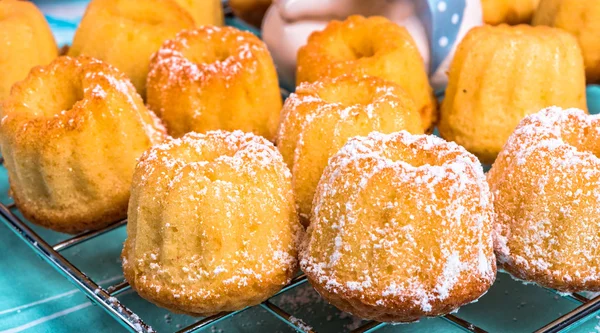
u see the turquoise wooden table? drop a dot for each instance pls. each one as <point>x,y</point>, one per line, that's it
<point>34,297</point>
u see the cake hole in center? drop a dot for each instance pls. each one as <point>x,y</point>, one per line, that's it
<point>201,55</point>
<point>363,50</point>
<point>60,95</point>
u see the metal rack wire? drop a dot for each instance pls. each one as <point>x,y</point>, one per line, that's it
<point>107,298</point>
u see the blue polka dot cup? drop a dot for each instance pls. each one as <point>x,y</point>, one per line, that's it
<point>447,22</point>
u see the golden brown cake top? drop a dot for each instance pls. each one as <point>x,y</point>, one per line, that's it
<point>538,34</point>
<point>354,41</point>
<point>247,151</point>
<point>147,13</point>
<point>25,40</point>
<point>18,12</point>
<point>199,54</point>
<point>508,11</point>
<point>355,38</point>
<point>69,94</point>
<point>554,128</point>
<point>204,12</point>
<point>347,94</point>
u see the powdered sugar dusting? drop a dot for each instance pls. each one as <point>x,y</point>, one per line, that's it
<point>441,182</point>
<point>186,60</point>
<point>547,174</point>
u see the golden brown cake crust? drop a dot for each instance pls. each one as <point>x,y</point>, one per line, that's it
<point>500,74</point>
<point>580,18</point>
<point>546,184</point>
<point>125,33</point>
<point>204,12</point>
<point>70,136</point>
<point>508,11</point>
<point>25,40</point>
<point>212,225</point>
<point>401,228</point>
<point>215,78</point>
<point>371,46</point>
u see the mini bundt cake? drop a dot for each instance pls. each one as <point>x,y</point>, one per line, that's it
<point>508,11</point>
<point>125,33</point>
<point>320,117</point>
<point>401,228</point>
<point>369,46</point>
<point>582,19</point>
<point>546,185</point>
<point>204,12</point>
<point>212,225</point>
<point>25,40</point>
<point>215,78</point>
<point>501,74</point>
<point>70,135</point>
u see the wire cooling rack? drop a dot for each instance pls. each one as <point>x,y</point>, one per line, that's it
<point>108,298</point>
